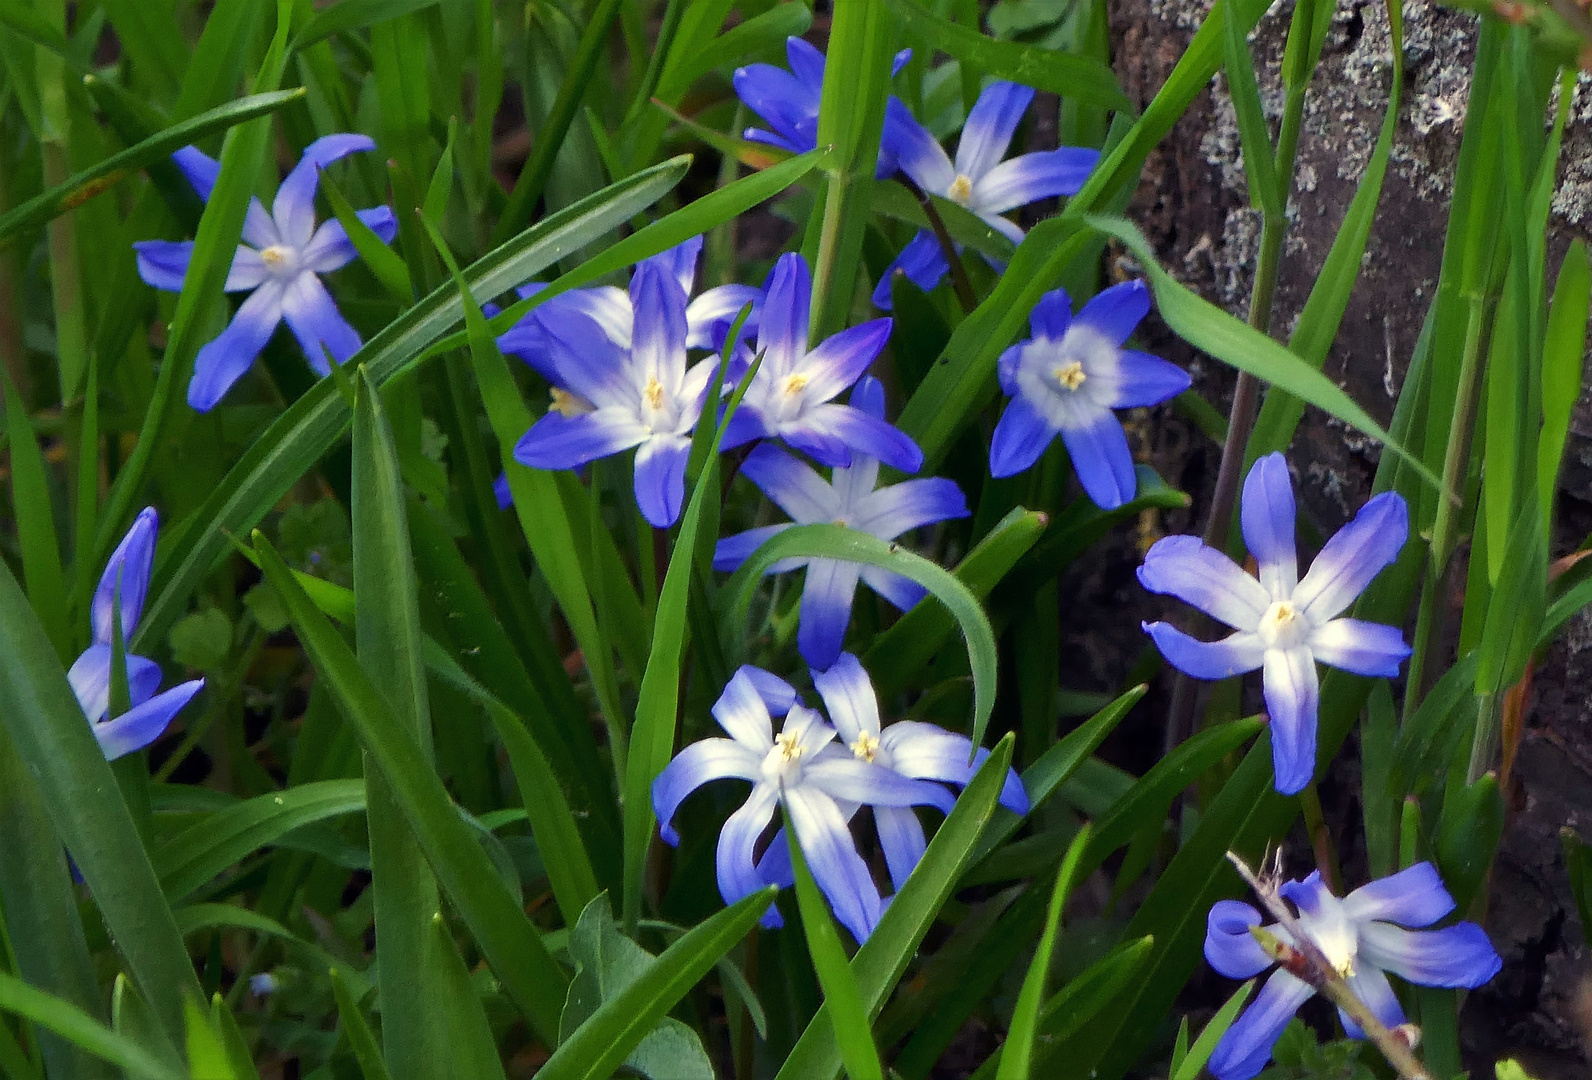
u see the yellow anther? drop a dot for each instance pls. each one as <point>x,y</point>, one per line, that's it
<point>1070,376</point>
<point>865,747</point>
<point>961,189</point>
<point>652,393</point>
<point>275,255</point>
<point>794,384</point>
<point>789,747</point>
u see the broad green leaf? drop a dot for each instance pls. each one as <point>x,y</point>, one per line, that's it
<point>838,542</point>
<point>72,1023</point>
<point>507,939</point>
<point>384,262</point>
<point>207,1055</point>
<point>116,168</point>
<point>223,839</point>
<point>302,435</point>
<point>843,1002</point>
<point>750,37</point>
<point>601,1044</point>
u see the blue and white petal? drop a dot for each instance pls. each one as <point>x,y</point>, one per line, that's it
<point>1415,896</point>
<point>128,568</point>
<point>929,752</point>
<point>312,315</point>
<point>909,505</point>
<point>660,478</point>
<point>737,868</point>
<point>1246,1047</point>
<point>143,724</point>
<point>1229,946</point>
<point>825,426</point>
<point>1355,554</point>
<point>850,779</point>
<point>990,125</point>
<point>732,551</point>
<point>1372,988</point>
<point>827,594</point>
<point>1266,514</point>
<point>902,592</point>
<point>923,263</point>
<point>841,359</point>
<point>557,441</point>
<point>849,698</point>
<point>917,153</point>
<point>777,694</point>
<point>832,857</point>
<point>331,249</point>
<point>744,714</point>
<point>1365,648</point>
<point>1116,311</point>
<point>1456,956</point>
<point>791,485</point>
<point>782,327</point>
<point>901,837</point>
<point>1021,435</point>
<point>1029,178</point>
<point>1101,458</point>
<point>294,207</point>
<point>1237,654</point>
<point>90,679</point>
<point>1292,694</point>
<point>1185,567</point>
<point>697,764</point>
<point>223,360</point>
<point>1143,380</point>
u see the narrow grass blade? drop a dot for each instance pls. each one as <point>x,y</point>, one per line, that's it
<point>471,1049</point>
<point>1200,1053</point>
<point>507,939</point>
<point>853,1032</point>
<point>30,501</point>
<point>1563,349</point>
<point>367,1051</point>
<point>75,1025</point>
<point>1260,165</point>
<point>350,15</point>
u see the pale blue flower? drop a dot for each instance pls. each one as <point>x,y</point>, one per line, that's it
<point>800,769</point>
<point>849,498</point>
<point>1363,936</point>
<point>128,570</point>
<point>1069,377</point>
<point>1284,624</point>
<point>978,179</point>
<point>277,265</point>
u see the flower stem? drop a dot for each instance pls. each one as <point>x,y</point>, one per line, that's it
<point>959,281</point>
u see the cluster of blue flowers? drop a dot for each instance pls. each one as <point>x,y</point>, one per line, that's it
<point>634,369</point>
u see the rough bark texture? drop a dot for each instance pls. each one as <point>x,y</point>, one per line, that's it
<point>1193,205</point>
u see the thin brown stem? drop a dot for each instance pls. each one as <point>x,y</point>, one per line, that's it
<point>959,281</point>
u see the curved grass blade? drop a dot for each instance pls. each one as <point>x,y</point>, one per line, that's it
<point>1564,347</point>
<point>348,15</point>
<point>853,1034</point>
<point>223,839</point>
<point>72,1023</point>
<point>113,170</point>
<point>30,502</point>
<point>507,939</point>
<point>367,1051</point>
<point>1200,1053</point>
<point>838,542</point>
<point>600,1045</point>
<point>302,435</point>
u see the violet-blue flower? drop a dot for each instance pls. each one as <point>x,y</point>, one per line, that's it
<point>1363,935</point>
<point>609,398</point>
<point>1284,623</point>
<point>790,396</point>
<point>978,179</point>
<point>277,265</point>
<point>851,499</point>
<point>800,769</point>
<point>126,582</point>
<point>1069,377</point>
<point>788,101</point>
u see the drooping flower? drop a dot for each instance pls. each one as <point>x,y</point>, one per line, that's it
<point>609,398</point>
<point>978,179</point>
<point>849,499</point>
<point>1069,377</point>
<point>277,264</point>
<point>788,101</point>
<point>708,318</point>
<point>1363,936</point>
<point>790,396</point>
<point>801,770</point>
<point>126,582</point>
<point>1284,624</point>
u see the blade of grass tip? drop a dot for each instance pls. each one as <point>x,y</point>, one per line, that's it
<point>77,1026</point>
<point>853,1033</point>
<point>1200,1053</point>
<point>1563,348</point>
<point>658,705</point>
<point>201,300</point>
<point>472,1051</point>
<point>385,263</point>
<point>1017,1052</point>
<point>506,938</point>
<point>367,1051</point>
<point>540,510</point>
<point>388,643</point>
<point>550,137</point>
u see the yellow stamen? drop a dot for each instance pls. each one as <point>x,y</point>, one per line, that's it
<point>653,393</point>
<point>794,384</point>
<point>865,747</point>
<point>790,749</point>
<point>961,189</point>
<point>274,255</point>
<point>1070,376</point>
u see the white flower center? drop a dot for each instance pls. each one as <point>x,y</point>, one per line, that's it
<point>961,189</point>
<point>1333,933</point>
<point>783,762</point>
<point>1070,376</point>
<point>795,384</point>
<point>1282,626</point>
<point>866,747</point>
<point>788,747</point>
<point>280,260</point>
<point>652,393</point>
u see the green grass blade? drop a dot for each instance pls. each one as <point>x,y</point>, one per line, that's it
<point>104,176</point>
<point>1564,346</point>
<point>350,15</point>
<point>853,1033</point>
<point>298,439</point>
<point>77,1026</point>
<point>1017,1053</point>
<point>883,958</point>
<point>30,501</point>
<point>384,262</point>
<point>848,545</point>
<point>367,1051</point>
<point>1071,75</point>
<point>1260,164</point>
<point>471,1050</point>
<point>509,942</point>
<point>1204,1046</point>
<point>223,839</point>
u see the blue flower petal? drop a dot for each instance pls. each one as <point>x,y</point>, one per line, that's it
<point>737,870</point>
<point>824,447</point>
<point>202,170</point>
<point>331,249</point>
<point>143,724</point>
<point>832,857</point>
<point>657,344</point>
<point>1267,518</point>
<point>1144,380</point>
<point>660,478</point>
<point>850,779</point>
<point>989,128</point>
<point>1415,896</point>
<point>710,316</point>
<point>743,712</point>
<point>848,698</point>
<point>1372,988</point>
<point>777,694</point>
<point>827,593</point>
<point>679,262</point>
<point>90,679</point>
<point>294,206</point>
<point>909,505</point>
<point>1236,654</point>
<point>1365,648</point>
<point>1052,316</point>
<point>806,63</point>
<point>1229,946</point>
<point>792,485</point>
<point>856,431</point>
<point>223,361</point>
<point>1116,311</point>
<point>901,837</point>
<point>1029,178</point>
<point>557,441</point>
<point>698,764</point>
<point>1292,693</point>
<point>131,564</point>
<point>501,492</point>
<point>840,360</point>
<point>732,551</point>
<point>782,328</point>
<point>163,264</point>
<point>917,153</point>
<point>586,360</point>
<point>1185,567</point>
<point>922,261</point>
<point>1101,458</point>
<point>1355,554</point>
<point>902,592</point>
<point>1456,956</point>
<point>929,752</point>
<point>1246,1047</point>
<point>312,315</point>
<point>1021,436</point>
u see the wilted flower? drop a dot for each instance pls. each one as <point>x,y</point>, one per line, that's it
<point>800,769</point>
<point>978,179</point>
<point>788,101</point>
<point>609,398</point>
<point>1068,377</point>
<point>789,397</point>
<point>851,499</point>
<point>1284,624</point>
<point>1362,936</point>
<point>277,265</point>
<point>126,581</point>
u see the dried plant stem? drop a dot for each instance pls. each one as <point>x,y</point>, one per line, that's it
<point>959,281</point>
